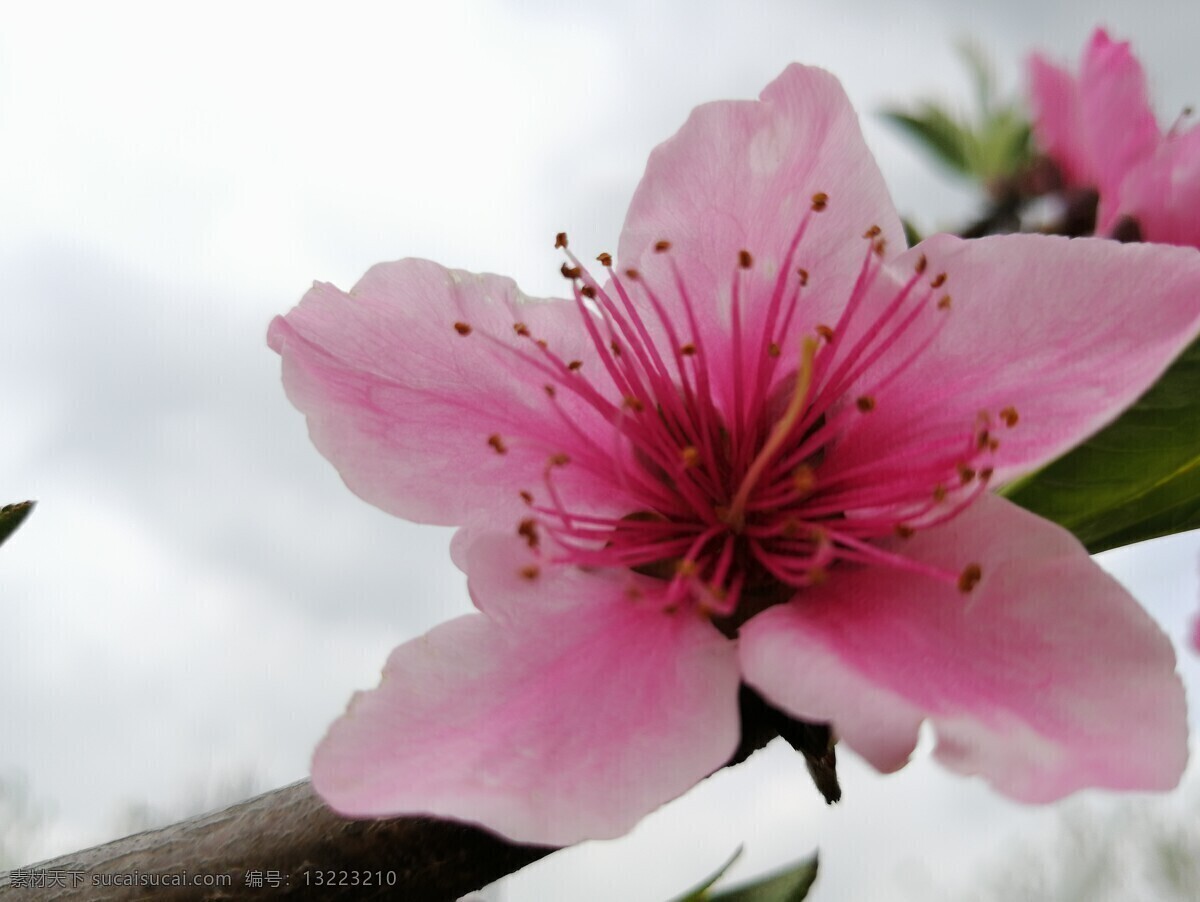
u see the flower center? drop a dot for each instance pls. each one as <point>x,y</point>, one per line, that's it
<point>741,491</point>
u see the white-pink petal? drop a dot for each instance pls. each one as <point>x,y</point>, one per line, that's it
<point>741,175</point>
<point>1042,325</point>
<point>570,720</point>
<point>416,390</point>
<point>1045,679</point>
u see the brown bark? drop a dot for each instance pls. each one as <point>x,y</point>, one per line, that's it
<point>291,832</point>
<point>286,844</point>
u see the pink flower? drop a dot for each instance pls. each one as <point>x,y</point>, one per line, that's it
<point>757,449</point>
<point>1102,133</point>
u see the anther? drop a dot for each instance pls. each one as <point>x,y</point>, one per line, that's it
<point>605,259</point>
<point>588,291</point>
<point>803,274</point>
<point>817,576</point>
<point>570,272</point>
<point>939,493</point>
<point>879,247</point>
<point>574,365</point>
<point>549,390</point>
<point>632,274</point>
<point>660,246</point>
<point>688,349</point>
<point>825,332</point>
<point>527,497</point>
<point>873,232</point>
<point>1010,417</point>
<point>985,474</point>
<point>541,343</point>
<point>938,281</point>
<point>804,479</point>
<point>965,473</point>
<point>745,261</point>
<point>634,404</point>
<point>820,201</point>
<point>691,456</point>
<point>685,568</point>
<point>903,531</point>
<point>530,572</point>
<point>521,329</point>
<point>616,348</point>
<point>921,264</point>
<point>944,302</point>
<point>462,328</point>
<point>560,240</point>
<point>865,403</point>
<point>559,460</point>
<point>773,349</point>
<point>497,444</point>
<point>791,528</point>
<point>970,577</point>
<point>527,529</point>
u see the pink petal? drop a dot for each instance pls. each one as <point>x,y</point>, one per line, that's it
<point>1115,116</point>
<point>567,713</point>
<point>1054,97</point>
<point>741,175</point>
<point>1066,332</point>
<point>425,422</point>
<point>1163,192</point>
<point>1045,679</point>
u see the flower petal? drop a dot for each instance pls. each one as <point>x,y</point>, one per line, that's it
<point>1066,332</point>
<point>741,175</point>
<point>568,712</point>
<point>420,419</point>
<point>1054,97</point>
<point>1046,678</point>
<point>1115,117</point>
<point>1163,192</point>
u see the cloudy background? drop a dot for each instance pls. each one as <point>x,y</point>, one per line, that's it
<point>197,594</point>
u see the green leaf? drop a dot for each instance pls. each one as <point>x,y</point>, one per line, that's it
<point>700,893</point>
<point>1138,478</point>
<point>989,144</point>
<point>938,132</point>
<point>791,884</point>
<point>11,516</point>
<point>912,235</point>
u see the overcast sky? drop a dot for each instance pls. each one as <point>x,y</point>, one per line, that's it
<point>197,594</point>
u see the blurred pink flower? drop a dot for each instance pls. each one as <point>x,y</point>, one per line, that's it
<point>1100,130</point>
<point>757,449</point>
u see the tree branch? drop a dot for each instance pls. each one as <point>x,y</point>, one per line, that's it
<point>286,844</point>
<point>291,832</point>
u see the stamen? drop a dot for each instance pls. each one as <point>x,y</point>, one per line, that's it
<point>462,328</point>
<point>779,434</point>
<point>527,529</point>
<point>970,578</point>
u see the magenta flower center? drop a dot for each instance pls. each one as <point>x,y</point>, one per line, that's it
<point>736,503</point>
